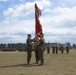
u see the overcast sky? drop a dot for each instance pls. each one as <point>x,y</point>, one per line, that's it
<point>58,20</point>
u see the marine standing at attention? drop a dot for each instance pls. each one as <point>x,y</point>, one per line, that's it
<point>29,48</point>
<point>41,45</point>
<point>36,40</point>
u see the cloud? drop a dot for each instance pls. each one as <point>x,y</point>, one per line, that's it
<point>3,0</point>
<point>25,9</point>
<point>60,17</point>
<point>16,30</point>
<point>22,1</point>
<point>58,23</point>
<point>8,12</point>
<point>70,0</point>
<point>47,10</point>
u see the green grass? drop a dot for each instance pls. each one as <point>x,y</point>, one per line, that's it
<point>14,63</point>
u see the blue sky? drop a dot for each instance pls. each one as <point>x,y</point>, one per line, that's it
<point>58,20</point>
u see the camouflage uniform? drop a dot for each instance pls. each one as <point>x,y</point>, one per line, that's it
<point>62,49</point>
<point>67,49</point>
<point>29,49</point>
<point>56,49</point>
<point>41,50</point>
<point>36,51</point>
<point>48,50</point>
<point>53,49</point>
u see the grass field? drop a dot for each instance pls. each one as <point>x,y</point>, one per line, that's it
<point>14,63</point>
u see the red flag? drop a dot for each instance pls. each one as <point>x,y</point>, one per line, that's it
<point>38,26</point>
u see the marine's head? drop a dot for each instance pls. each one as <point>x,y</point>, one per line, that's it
<point>41,35</point>
<point>29,36</point>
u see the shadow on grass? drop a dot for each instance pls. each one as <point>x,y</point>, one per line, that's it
<point>21,65</point>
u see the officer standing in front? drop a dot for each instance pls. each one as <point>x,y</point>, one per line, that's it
<point>36,40</point>
<point>41,45</point>
<point>29,48</point>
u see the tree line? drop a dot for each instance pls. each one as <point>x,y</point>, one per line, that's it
<point>13,47</point>
<point>22,46</point>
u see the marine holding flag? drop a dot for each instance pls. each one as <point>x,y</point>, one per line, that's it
<point>39,50</point>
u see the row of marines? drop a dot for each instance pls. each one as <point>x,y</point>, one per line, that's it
<point>58,47</point>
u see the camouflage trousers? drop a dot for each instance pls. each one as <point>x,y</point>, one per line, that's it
<point>41,55</point>
<point>37,54</point>
<point>29,54</point>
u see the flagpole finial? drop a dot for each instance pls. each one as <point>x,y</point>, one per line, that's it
<point>35,5</point>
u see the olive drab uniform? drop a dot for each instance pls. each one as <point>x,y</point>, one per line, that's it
<point>41,50</point>
<point>28,49</point>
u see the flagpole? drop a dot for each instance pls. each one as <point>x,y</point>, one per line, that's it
<point>35,19</point>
